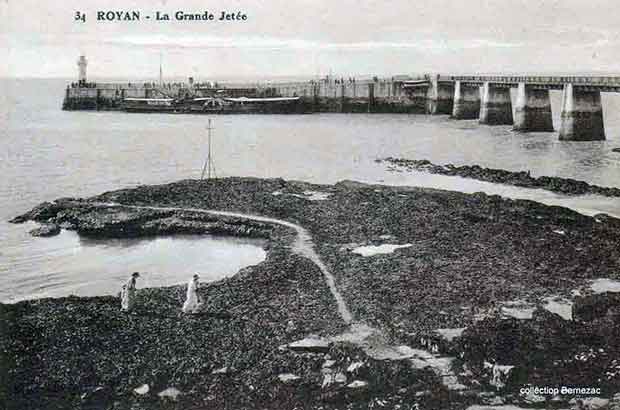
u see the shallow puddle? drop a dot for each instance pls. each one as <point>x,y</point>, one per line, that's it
<point>559,306</point>
<point>605,285</point>
<point>371,250</point>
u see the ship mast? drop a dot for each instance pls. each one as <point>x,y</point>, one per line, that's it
<point>161,72</point>
<point>209,166</point>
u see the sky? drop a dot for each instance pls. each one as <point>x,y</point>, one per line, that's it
<point>309,38</point>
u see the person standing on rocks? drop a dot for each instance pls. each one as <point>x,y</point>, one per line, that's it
<point>128,293</point>
<point>191,299</point>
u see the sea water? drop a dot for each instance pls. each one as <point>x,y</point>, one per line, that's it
<point>48,153</point>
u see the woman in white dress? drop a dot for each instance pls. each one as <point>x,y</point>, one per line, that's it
<point>191,299</point>
<point>128,292</point>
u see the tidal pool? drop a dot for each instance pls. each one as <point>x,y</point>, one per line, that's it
<point>70,265</point>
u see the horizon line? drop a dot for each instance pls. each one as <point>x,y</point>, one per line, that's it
<point>311,76</point>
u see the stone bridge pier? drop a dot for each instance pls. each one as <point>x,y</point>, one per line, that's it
<point>466,101</point>
<point>582,115</point>
<point>440,97</point>
<point>488,98</point>
<point>532,110</point>
<point>495,106</point>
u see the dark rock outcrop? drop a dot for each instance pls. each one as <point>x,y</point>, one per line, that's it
<point>117,222</point>
<point>46,230</point>
<point>591,307</point>
<point>567,186</point>
<point>467,253</point>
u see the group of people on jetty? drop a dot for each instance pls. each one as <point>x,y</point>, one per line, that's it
<point>128,292</point>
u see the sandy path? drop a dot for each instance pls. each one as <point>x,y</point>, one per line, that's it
<point>303,245</point>
<point>371,340</point>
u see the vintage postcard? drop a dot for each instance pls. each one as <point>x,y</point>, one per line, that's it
<point>309,205</point>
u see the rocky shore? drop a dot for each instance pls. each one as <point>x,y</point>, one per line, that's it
<point>458,301</point>
<point>565,186</point>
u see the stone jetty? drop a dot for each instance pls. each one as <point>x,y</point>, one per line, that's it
<point>485,98</point>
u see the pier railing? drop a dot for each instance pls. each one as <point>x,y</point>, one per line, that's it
<point>586,80</point>
<point>595,83</point>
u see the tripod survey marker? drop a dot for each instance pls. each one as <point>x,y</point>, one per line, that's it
<point>208,167</point>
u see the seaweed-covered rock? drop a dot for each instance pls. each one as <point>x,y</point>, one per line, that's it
<point>530,344</point>
<point>99,396</point>
<point>566,186</point>
<point>46,230</point>
<point>466,253</point>
<point>41,212</point>
<point>587,308</point>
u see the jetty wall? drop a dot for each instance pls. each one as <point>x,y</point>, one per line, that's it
<point>324,95</point>
<point>482,97</point>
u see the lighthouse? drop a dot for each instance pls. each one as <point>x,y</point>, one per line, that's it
<point>82,63</point>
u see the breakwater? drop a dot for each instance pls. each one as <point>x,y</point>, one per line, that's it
<point>486,98</point>
<point>376,95</point>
